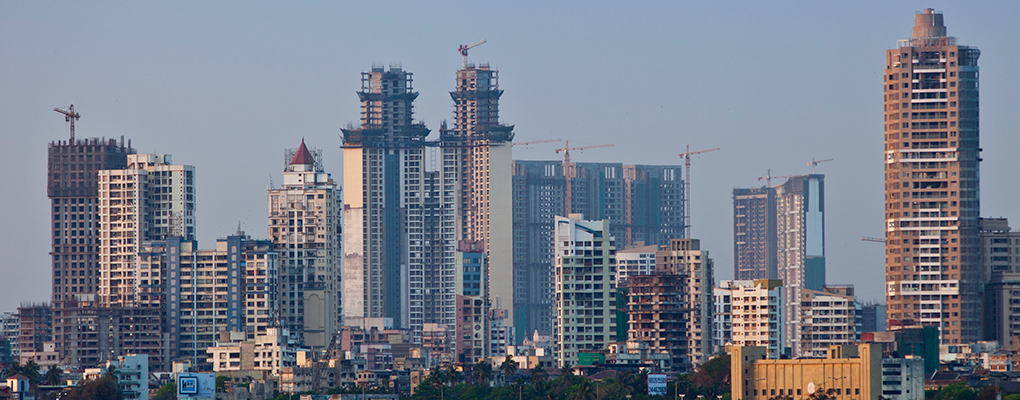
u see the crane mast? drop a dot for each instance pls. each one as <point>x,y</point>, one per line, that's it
<point>814,163</point>
<point>566,167</point>
<point>69,116</point>
<point>463,49</point>
<point>686,155</point>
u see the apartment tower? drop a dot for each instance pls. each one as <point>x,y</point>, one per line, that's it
<point>800,247</point>
<point>754,233</point>
<point>477,165</point>
<point>384,192</point>
<point>304,225</point>
<point>932,201</point>
<point>685,257</point>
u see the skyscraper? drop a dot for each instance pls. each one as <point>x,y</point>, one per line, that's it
<point>73,189</point>
<point>477,165</point>
<point>932,201</point>
<point>383,194</point>
<point>643,203</point>
<point>304,225</point>
<point>754,233</point>
<point>800,247</point>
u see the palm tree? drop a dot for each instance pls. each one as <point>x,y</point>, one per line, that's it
<point>31,371</point>
<point>483,373</point>
<point>11,369</point>
<point>452,375</point>
<point>509,366</point>
<point>566,371</point>
<point>538,375</point>
<point>583,391</point>
<point>53,375</point>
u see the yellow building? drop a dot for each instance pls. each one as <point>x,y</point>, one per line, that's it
<point>851,372</point>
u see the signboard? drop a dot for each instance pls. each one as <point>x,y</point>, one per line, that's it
<point>196,386</point>
<point>657,384</point>
<point>586,359</point>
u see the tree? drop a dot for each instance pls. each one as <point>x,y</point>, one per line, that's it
<point>31,371</point>
<point>105,388</point>
<point>584,391</point>
<point>483,373</point>
<point>167,392</point>
<point>538,375</point>
<point>53,375</point>
<point>452,375</point>
<point>509,366</point>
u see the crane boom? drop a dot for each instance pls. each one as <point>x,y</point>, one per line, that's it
<point>687,185</point>
<point>566,166</point>
<point>768,177</point>
<point>463,49</point>
<point>814,163</point>
<point>536,141</point>
<point>872,239</point>
<point>69,116</point>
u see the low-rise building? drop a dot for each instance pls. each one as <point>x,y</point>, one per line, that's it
<point>903,378</point>
<point>851,372</point>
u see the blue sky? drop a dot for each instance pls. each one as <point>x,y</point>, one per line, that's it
<point>226,86</point>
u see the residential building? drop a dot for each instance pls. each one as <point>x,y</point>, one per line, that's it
<point>471,288</point>
<point>35,322</point>
<point>873,317</point>
<point>305,228</point>
<point>657,315</point>
<point>751,313</point>
<point>903,378</point>
<point>853,372</point>
<point>686,258</point>
<point>438,227</point>
<point>933,275</point>
<point>383,193</point>
<point>828,317</point>
<point>635,260</point>
<point>10,329</point>
<point>73,189</point>
<point>1000,264</point>
<point>800,241</point>
<point>585,279</point>
<point>643,203</point>
<point>94,334</point>
<point>754,233</point>
<point>477,166</point>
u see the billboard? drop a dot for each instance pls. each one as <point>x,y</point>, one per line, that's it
<point>657,384</point>
<point>196,386</point>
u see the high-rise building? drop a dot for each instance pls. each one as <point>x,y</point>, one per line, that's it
<point>828,317</point>
<point>477,165</point>
<point>685,257</point>
<point>750,313</point>
<point>73,189</point>
<point>933,275</point>
<point>800,246</point>
<point>585,279</point>
<point>305,226</point>
<point>643,203</point>
<point>657,315</point>
<point>150,199</point>
<point>1001,269</point>
<point>754,233</point>
<point>384,263</point>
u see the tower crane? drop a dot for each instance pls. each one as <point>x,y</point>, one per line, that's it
<point>69,116</point>
<point>536,141</point>
<point>768,177</point>
<point>814,163</point>
<point>872,239</point>
<point>566,166</point>
<point>686,156</point>
<point>465,47</point>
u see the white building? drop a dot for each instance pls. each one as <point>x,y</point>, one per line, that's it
<point>585,279</point>
<point>10,328</point>
<point>903,378</point>
<point>305,225</point>
<point>828,317</point>
<point>638,260</point>
<point>132,375</point>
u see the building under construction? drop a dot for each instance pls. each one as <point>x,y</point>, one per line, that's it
<point>754,233</point>
<point>643,203</point>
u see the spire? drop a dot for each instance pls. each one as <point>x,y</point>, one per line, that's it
<point>302,156</point>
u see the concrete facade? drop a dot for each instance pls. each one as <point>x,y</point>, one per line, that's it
<point>585,302</point>
<point>932,204</point>
<point>305,228</point>
<point>750,313</point>
<point>685,257</point>
<point>853,372</point>
<point>754,233</point>
<point>1000,261</point>
<point>800,246</point>
<point>828,317</point>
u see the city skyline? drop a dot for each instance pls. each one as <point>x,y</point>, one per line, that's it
<point>174,92</point>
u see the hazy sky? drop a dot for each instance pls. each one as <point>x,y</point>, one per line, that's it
<point>227,86</point>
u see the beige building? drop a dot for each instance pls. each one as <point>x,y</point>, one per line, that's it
<point>851,372</point>
<point>685,257</point>
<point>304,225</point>
<point>585,279</point>
<point>657,317</point>
<point>933,275</point>
<point>754,316</point>
<point>827,318</point>
<point>150,199</point>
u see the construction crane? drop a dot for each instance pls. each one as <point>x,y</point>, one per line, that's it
<point>686,156</point>
<point>536,141</point>
<point>69,116</point>
<point>566,166</point>
<point>813,163</point>
<point>872,239</point>
<point>768,177</point>
<point>320,363</point>
<point>465,47</point>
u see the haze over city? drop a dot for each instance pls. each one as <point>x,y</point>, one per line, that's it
<point>226,86</point>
